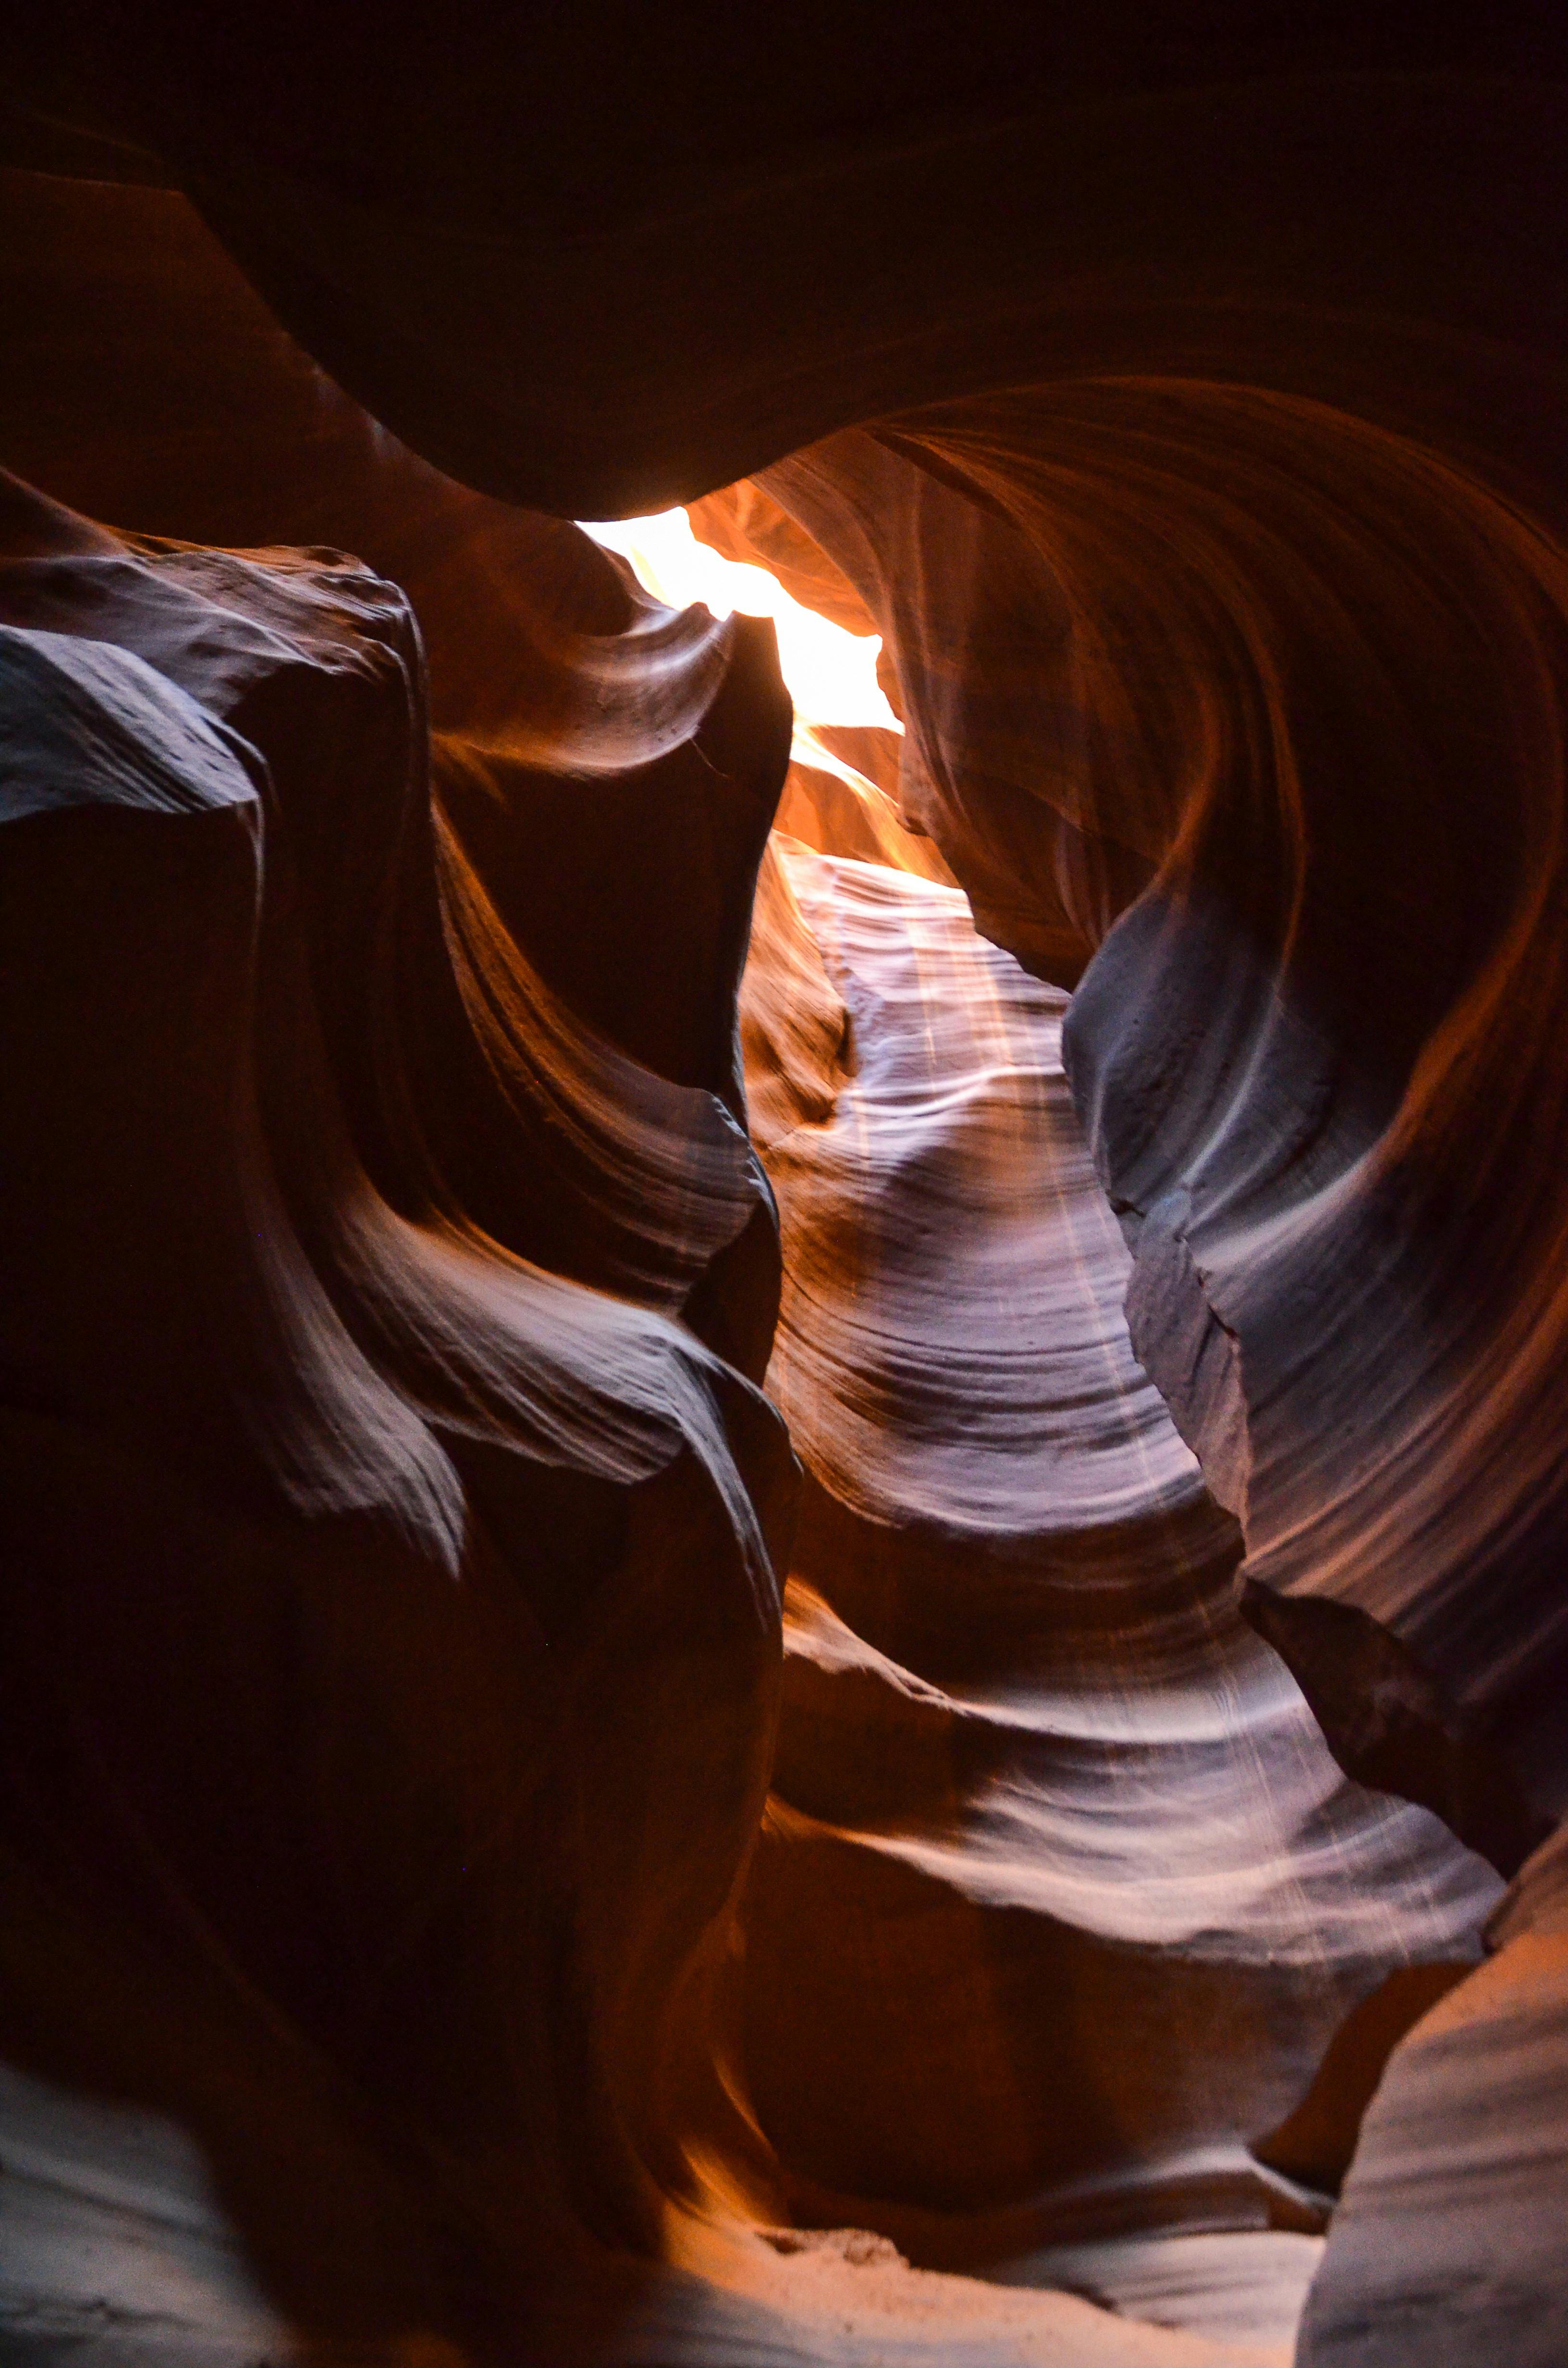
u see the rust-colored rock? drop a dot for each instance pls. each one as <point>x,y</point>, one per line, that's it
<point>483,1880</point>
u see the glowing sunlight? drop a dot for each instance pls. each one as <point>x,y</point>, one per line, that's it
<point>832,675</point>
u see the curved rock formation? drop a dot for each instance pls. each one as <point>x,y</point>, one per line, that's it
<point>1036,1784</point>
<point>1291,1049</point>
<point>381,1498</point>
<point>1286,1063</point>
<point>392,1626</point>
<point>402,1208</point>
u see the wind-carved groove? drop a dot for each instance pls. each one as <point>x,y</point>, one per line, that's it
<point>502,1859</point>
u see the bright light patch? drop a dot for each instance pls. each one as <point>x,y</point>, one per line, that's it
<point>831,675</point>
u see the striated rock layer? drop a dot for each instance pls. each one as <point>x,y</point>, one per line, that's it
<point>1300,1051</point>
<point>1037,1787</point>
<point>1180,393</point>
<point>333,1512</point>
<point>392,1627</point>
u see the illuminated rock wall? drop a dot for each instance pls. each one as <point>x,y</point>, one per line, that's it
<point>1036,1786</point>
<point>395,1523</point>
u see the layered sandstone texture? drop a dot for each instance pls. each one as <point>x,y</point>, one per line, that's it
<point>783,1517</point>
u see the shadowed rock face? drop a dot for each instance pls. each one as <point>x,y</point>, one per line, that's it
<point>499,1862</point>
<point>309,1472</point>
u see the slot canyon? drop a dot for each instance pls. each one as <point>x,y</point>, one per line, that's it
<point>784,1467</point>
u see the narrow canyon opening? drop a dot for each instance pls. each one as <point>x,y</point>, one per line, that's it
<point>1071,1958</point>
<point>781,1368</point>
